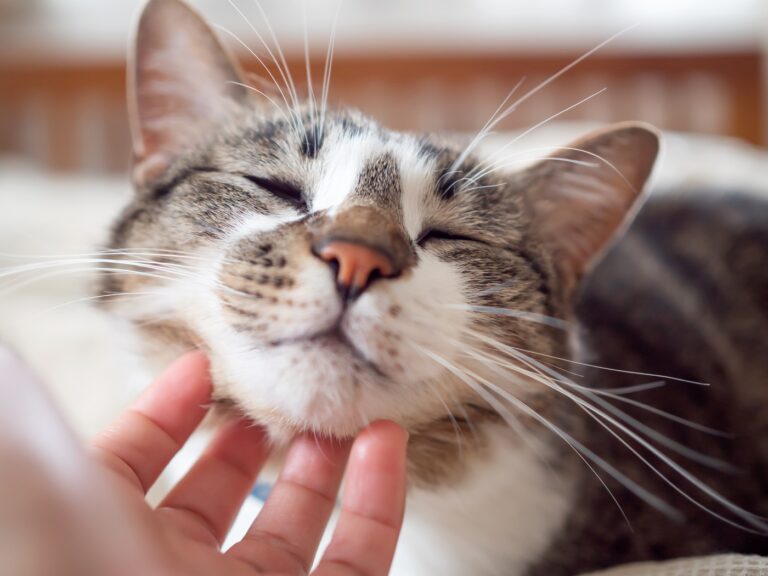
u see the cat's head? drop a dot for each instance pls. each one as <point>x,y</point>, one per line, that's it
<point>337,272</point>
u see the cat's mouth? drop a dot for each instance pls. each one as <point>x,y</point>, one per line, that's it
<point>333,337</point>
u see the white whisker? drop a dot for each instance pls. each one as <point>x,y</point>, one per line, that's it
<point>491,124</point>
<point>756,522</point>
<point>552,378</point>
<point>475,175</point>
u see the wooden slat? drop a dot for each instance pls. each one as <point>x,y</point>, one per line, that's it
<point>424,92</point>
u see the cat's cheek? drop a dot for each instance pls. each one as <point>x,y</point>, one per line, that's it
<point>293,304</point>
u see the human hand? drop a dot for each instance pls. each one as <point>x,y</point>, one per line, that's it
<point>184,533</point>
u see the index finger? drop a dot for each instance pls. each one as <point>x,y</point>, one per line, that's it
<point>144,438</point>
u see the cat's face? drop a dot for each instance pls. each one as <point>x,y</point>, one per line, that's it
<point>336,272</point>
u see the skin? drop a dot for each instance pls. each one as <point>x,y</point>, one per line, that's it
<point>100,523</point>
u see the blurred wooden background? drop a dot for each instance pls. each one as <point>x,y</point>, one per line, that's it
<point>70,116</point>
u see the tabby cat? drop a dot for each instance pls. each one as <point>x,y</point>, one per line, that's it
<point>336,272</point>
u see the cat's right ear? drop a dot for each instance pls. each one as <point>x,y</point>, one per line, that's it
<point>181,79</point>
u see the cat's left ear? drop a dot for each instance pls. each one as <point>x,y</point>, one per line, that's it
<point>181,80</point>
<point>585,192</point>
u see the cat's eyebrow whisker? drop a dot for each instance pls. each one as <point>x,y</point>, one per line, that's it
<point>512,107</point>
<point>485,130</point>
<point>485,187</point>
<point>282,63</point>
<point>296,122</point>
<point>499,164</point>
<point>265,96</point>
<point>284,74</point>
<point>310,85</point>
<point>511,162</point>
<point>478,172</point>
<point>328,68</point>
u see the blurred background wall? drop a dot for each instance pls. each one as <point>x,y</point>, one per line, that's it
<point>415,64</point>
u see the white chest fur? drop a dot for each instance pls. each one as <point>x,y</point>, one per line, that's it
<point>500,519</point>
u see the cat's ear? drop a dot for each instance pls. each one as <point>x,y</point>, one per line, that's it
<point>584,194</point>
<point>180,80</point>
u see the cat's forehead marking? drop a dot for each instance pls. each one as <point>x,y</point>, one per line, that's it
<point>417,177</point>
<point>344,160</point>
<point>392,172</point>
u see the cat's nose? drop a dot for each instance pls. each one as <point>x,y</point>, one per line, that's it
<point>356,266</point>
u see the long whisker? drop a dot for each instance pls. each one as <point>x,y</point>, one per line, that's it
<point>283,63</point>
<point>752,519</point>
<point>581,451</point>
<point>265,96</point>
<point>148,252</point>
<point>522,314</point>
<point>613,393</point>
<point>296,123</point>
<point>484,130</point>
<point>499,164</point>
<point>328,68</point>
<point>541,86</point>
<point>519,353</point>
<point>757,523</point>
<point>55,273</point>
<point>673,417</point>
<point>110,296</point>
<point>284,74</point>
<point>178,269</point>
<point>310,86</point>
<point>609,369</point>
<point>540,373</point>
<point>478,172</point>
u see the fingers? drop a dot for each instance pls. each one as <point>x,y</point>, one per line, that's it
<point>209,497</point>
<point>142,441</point>
<point>372,506</point>
<point>285,536</point>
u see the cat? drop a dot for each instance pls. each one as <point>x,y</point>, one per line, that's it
<point>336,273</point>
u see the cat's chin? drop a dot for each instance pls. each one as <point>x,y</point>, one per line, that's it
<point>321,384</point>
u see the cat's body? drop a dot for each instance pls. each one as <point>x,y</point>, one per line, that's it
<point>684,293</point>
<point>336,273</point>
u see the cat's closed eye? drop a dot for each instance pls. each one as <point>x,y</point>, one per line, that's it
<point>283,190</point>
<point>431,234</point>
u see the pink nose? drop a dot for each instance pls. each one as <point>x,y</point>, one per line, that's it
<point>357,265</point>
